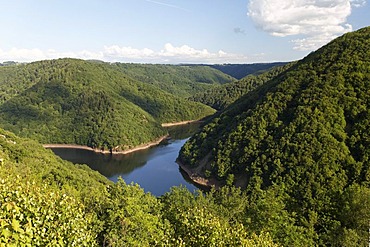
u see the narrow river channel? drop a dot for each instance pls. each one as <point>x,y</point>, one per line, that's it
<point>154,169</point>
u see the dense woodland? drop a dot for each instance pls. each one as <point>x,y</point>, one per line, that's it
<point>87,103</point>
<point>292,154</point>
<point>303,136</point>
<point>179,80</point>
<point>221,96</point>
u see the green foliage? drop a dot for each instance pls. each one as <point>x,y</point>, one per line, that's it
<point>354,214</point>
<point>306,131</point>
<point>33,215</point>
<point>209,220</point>
<point>222,96</point>
<point>298,145</point>
<point>133,218</point>
<point>32,162</point>
<point>78,102</point>
<point>45,201</point>
<point>179,80</point>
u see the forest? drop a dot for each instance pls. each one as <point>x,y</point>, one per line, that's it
<point>70,101</point>
<point>288,149</point>
<point>221,96</point>
<point>303,136</point>
<point>179,80</point>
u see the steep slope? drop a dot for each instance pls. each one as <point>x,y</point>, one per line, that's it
<point>221,96</point>
<point>306,132</point>
<point>45,200</point>
<point>180,80</point>
<point>79,102</point>
<point>29,160</point>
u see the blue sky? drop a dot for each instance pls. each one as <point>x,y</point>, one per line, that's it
<point>174,31</point>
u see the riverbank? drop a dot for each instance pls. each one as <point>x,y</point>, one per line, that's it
<point>198,179</point>
<point>180,123</point>
<point>127,151</point>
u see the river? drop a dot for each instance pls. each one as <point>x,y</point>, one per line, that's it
<point>154,169</point>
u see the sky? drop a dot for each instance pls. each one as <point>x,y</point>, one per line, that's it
<point>174,31</point>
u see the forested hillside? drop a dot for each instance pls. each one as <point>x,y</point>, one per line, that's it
<point>303,137</point>
<point>180,80</point>
<point>87,103</point>
<point>220,97</point>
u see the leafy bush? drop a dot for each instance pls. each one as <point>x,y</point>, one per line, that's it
<point>34,215</point>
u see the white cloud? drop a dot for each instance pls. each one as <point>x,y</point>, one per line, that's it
<point>115,53</point>
<point>318,21</point>
<point>185,52</point>
<point>358,3</point>
<point>28,55</point>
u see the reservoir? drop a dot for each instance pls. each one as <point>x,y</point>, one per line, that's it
<point>154,169</point>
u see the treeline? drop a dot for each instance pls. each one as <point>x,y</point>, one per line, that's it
<point>220,97</point>
<point>304,137</point>
<point>79,102</point>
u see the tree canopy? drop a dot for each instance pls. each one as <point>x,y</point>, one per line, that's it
<point>221,96</point>
<point>304,131</point>
<point>179,80</point>
<point>87,103</point>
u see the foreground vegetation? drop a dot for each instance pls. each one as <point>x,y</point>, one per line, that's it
<point>304,137</point>
<point>45,201</point>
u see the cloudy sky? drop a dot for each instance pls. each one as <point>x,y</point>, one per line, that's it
<point>174,31</point>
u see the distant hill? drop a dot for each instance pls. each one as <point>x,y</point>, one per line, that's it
<point>80,102</point>
<point>304,135</point>
<point>7,63</point>
<point>183,81</point>
<point>221,96</point>
<point>239,71</point>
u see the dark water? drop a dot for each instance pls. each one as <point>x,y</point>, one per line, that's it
<point>154,169</point>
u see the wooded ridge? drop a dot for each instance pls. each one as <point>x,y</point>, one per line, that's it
<point>69,101</point>
<point>304,134</point>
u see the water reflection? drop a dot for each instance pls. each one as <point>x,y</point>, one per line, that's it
<point>154,169</point>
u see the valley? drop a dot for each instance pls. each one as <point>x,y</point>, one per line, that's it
<point>284,152</point>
